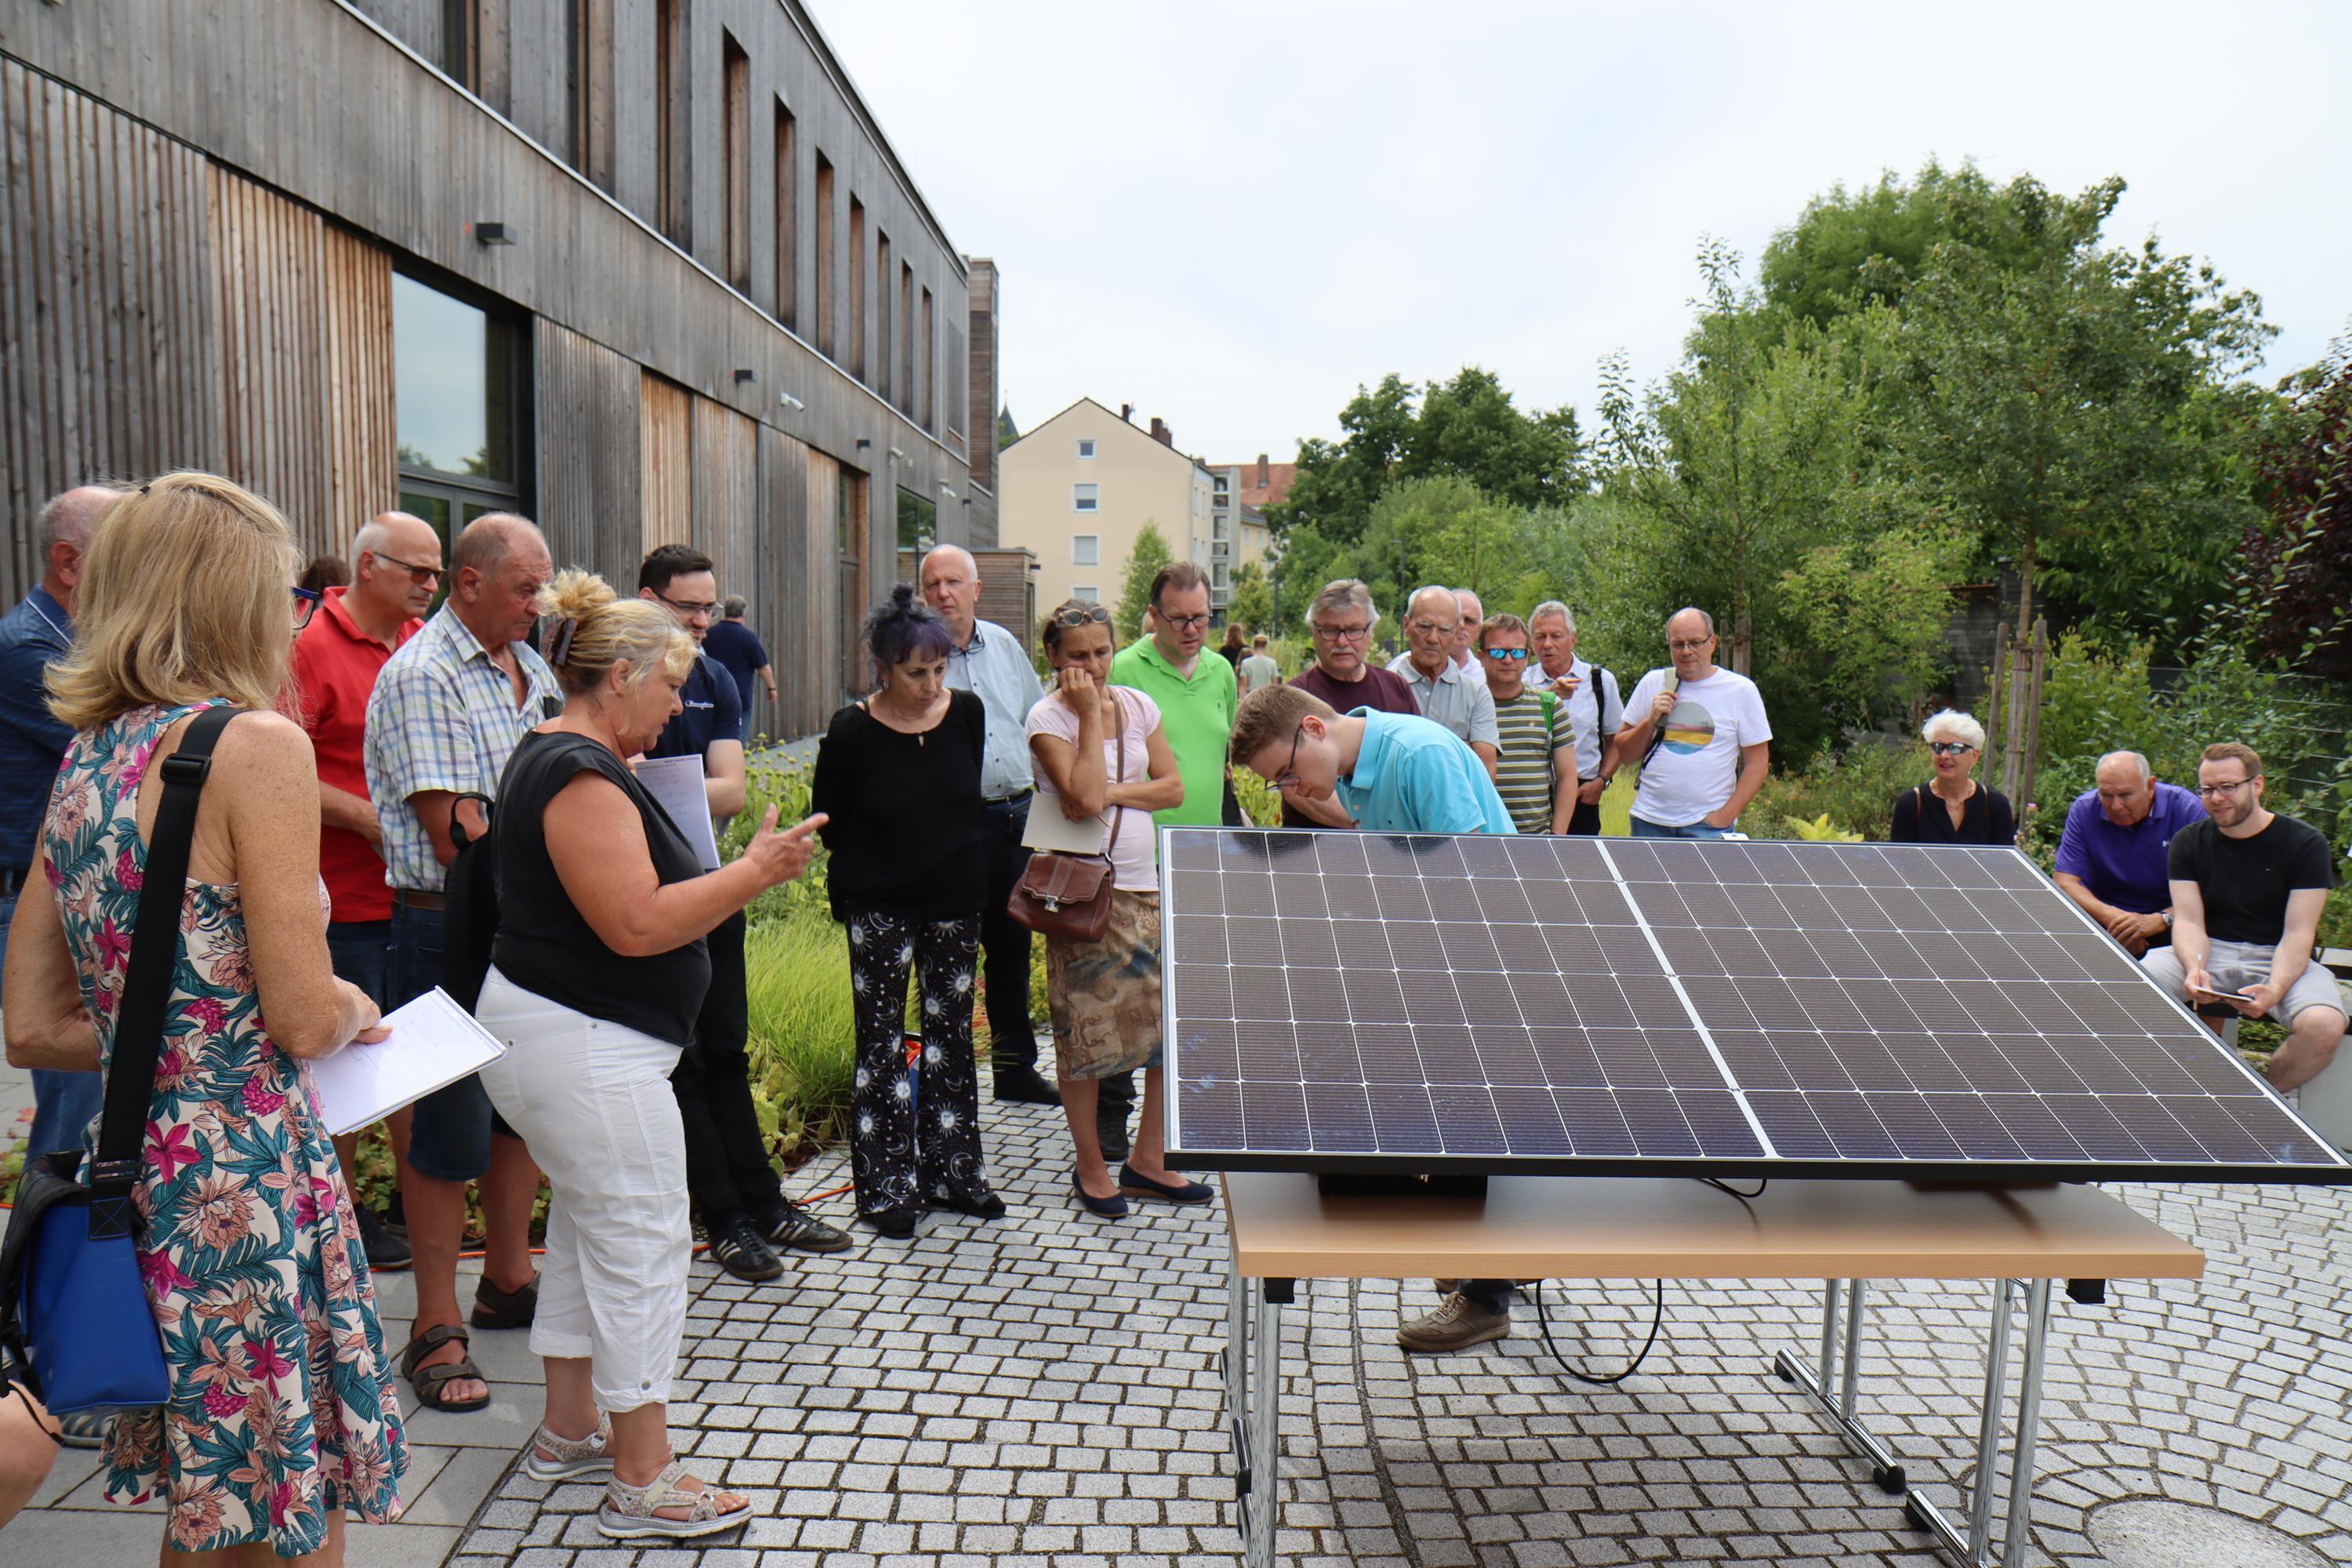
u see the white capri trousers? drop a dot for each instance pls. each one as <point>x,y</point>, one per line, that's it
<point>593,1102</point>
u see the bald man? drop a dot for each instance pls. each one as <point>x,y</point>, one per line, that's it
<point>34,635</point>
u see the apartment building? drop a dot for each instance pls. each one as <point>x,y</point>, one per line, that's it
<point>1077,489</point>
<point>647,271</point>
<point>1238,532</point>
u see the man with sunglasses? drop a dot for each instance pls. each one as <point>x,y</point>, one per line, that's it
<point>2248,885</point>
<point>1535,743</point>
<point>349,637</point>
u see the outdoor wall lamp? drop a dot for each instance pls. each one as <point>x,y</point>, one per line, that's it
<point>789,401</point>
<point>896,456</point>
<point>745,376</point>
<point>493,234</point>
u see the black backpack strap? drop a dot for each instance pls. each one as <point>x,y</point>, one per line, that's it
<point>147,981</point>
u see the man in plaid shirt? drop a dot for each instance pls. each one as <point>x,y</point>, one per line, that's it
<point>449,708</point>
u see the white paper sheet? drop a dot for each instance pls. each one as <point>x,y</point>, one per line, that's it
<point>1049,829</point>
<point>677,784</point>
<point>432,1043</point>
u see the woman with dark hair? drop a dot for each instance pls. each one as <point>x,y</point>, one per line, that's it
<point>1236,645</point>
<point>904,825</point>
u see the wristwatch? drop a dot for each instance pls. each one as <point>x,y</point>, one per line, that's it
<point>2168,920</point>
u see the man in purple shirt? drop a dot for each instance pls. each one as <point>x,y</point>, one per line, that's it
<point>2111,856</point>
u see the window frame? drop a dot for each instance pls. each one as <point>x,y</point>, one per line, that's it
<point>1082,504</point>
<point>1093,542</point>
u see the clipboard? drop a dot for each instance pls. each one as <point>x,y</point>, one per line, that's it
<point>1049,830</point>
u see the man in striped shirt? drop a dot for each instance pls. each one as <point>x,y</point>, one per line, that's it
<point>1535,744</point>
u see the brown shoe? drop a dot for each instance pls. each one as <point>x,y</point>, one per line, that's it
<point>1456,1324</point>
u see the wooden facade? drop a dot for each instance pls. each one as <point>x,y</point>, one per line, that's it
<point>203,209</point>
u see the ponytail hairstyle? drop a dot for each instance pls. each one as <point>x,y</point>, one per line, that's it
<point>905,627</point>
<point>591,630</point>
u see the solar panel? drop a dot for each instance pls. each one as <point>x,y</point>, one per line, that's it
<point>1355,1001</point>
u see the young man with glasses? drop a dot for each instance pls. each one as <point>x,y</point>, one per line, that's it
<point>1702,739</point>
<point>2248,885</point>
<point>743,1206</point>
<point>1535,745</point>
<point>349,637</point>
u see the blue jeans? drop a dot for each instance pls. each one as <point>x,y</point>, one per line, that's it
<point>449,1132</point>
<point>360,951</point>
<point>64,1103</point>
<point>1699,829</point>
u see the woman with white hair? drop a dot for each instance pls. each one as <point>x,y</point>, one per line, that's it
<point>1953,808</point>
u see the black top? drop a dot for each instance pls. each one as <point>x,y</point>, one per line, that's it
<point>905,809</point>
<point>2245,881</point>
<point>1922,818</point>
<point>543,944</point>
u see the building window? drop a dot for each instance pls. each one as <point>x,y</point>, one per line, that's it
<point>461,43</point>
<point>930,373</point>
<point>906,382</point>
<point>458,374</point>
<point>675,190</point>
<point>918,522</point>
<point>1086,550</point>
<point>856,287</point>
<point>1085,593</point>
<point>787,193</point>
<point>1085,447</point>
<point>828,335</point>
<point>882,313</point>
<point>1221,484</point>
<point>735,79</point>
<point>1085,498</point>
<point>588,87</point>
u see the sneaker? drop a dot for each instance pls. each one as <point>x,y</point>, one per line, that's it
<point>383,1249</point>
<point>84,1429</point>
<point>1114,1143</point>
<point>1456,1324</point>
<point>801,1231</point>
<point>396,1217</point>
<point>742,1251</point>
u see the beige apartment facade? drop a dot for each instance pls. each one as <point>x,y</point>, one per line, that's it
<point>1077,489</point>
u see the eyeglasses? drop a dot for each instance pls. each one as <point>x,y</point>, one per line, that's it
<point>704,608</point>
<point>1343,634</point>
<point>306,604</point>
<point>1503,652</point>
<point>417,574</point>
<point>1689,645</point>
<point>1950,748</point>
<point>2225,789</point>
<point>1090,615</point>
<point>1289,773</point>
<point>1181,622</point>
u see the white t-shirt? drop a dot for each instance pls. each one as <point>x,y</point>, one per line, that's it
<point>1133,867</point>
<point>1690,774</point>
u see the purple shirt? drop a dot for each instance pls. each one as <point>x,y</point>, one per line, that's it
<point>2125,866</point>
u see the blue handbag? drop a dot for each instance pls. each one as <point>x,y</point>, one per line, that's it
<point>76,1327</point>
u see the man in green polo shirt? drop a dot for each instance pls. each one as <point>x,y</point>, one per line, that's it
<point>1197,695</point>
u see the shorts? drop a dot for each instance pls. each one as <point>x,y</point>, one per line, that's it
<point>1104,995</point>
<point>449,1130</point>
<point>2234,965</point>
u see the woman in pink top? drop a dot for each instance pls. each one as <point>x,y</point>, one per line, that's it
<point>1104,995</point>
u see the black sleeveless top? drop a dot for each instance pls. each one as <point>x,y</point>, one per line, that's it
<point>543,944</point>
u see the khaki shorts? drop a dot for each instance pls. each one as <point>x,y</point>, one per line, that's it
<point>1104,996</point>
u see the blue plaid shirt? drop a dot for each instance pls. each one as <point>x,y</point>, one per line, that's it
<point>443,716</point>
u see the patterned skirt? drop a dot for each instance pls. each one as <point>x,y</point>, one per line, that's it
<point>1104,995</point>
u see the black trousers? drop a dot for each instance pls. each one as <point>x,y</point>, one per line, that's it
<point>913,1136</point>
<point>727,1169</point>
<point>1585,820</point>
<point>1003,940</point>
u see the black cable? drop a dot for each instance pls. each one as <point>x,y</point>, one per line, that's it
<point>1722,1186</point>
<point>1543,1321</point>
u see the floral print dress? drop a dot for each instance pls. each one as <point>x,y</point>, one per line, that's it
<point>281,1407</point>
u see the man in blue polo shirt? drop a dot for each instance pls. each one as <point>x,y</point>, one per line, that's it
<point>2111,855</point>
<point>1384,773</point>
<point>744,1212</point>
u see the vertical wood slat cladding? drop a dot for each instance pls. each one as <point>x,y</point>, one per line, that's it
<point>726,491</point>
<point>366,444</point>
<point>591,446</point>
<point>826,618</point>
<point>104,305</point>
<point>785,592</point>
<point>666,488</point>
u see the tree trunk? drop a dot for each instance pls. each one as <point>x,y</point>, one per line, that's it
<point>1743,639</point>
<point>2020,653</point>
<point>1994,728</point>
<point>2031,694</point>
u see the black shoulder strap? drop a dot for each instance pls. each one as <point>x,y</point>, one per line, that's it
<point>154,954</point>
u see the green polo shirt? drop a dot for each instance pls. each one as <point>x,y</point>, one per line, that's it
<point>1197,714</point>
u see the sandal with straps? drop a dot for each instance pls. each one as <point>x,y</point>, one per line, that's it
<point>429,1380</point>
<point>631,1513</point>
<point>548,1458</point>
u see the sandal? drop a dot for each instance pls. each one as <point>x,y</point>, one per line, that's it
<point>497,1309</point>
<point>548,1458</point>
<point>631,1513</point>
<point>429,1381</point>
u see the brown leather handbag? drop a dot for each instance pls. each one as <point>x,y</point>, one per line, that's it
<point>1069,895</point>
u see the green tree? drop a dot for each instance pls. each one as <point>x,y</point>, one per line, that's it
<point>2294,586</point>
<point>1853,250</point>
<point>1873,612</point>
<point>1143,563</point>
<point>1250,604</point>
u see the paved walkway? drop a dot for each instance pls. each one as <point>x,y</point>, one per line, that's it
<point>1045,1391</point>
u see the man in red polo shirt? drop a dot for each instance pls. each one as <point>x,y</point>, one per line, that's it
<point>395,570</point>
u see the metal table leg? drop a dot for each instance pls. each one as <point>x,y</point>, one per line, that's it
<point>1837,1397</point>
<point>1264,1444</point>
<point>1975,1549</point>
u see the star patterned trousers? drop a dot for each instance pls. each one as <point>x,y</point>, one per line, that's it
<point>914,1134</point>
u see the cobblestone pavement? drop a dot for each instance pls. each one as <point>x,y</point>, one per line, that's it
<point>1045,1390</point>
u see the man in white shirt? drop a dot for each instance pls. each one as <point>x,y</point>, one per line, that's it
<point>1595,709</point>
<point>1465,631</point>
<point>1453,696</point>
<point>1702,739</point>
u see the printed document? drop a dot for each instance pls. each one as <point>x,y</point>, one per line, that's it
<point>432,1043</point>
<point>677,784</point>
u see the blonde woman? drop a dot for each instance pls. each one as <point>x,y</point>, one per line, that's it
<point>1952,808</point>
<point>281,1414</point>
<point>598,972</point>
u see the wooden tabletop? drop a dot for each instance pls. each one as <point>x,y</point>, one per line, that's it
<point>1643,1227</point>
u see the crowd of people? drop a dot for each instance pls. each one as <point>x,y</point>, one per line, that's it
<point>377,746</point>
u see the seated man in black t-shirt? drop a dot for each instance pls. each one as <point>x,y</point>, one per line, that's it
<point>2247,888</point>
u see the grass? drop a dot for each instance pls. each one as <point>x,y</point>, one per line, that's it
<point>803,1044</point>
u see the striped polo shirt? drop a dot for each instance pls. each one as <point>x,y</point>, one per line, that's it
<point>1524,766</point>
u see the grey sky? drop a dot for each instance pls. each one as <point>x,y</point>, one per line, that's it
<point>1230,215</point>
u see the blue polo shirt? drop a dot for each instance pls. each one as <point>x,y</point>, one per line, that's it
<point>710,712</point>
<point>1414,775</point>
<point>2125,866</point>
<point>32,742</point>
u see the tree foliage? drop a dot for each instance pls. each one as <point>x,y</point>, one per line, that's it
<point>1250,601</point>
<point>1143,563</point>
<point>2296,563</point>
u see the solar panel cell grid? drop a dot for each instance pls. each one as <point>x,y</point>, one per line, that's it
<point>1339,999</point>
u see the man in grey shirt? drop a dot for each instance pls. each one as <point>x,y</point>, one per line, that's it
<point>992,663</point>
<point>1453,696</point>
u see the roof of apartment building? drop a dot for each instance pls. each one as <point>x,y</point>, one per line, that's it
<point>1263,483</point>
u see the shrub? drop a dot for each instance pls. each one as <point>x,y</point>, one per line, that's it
<point>1852,794</point>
